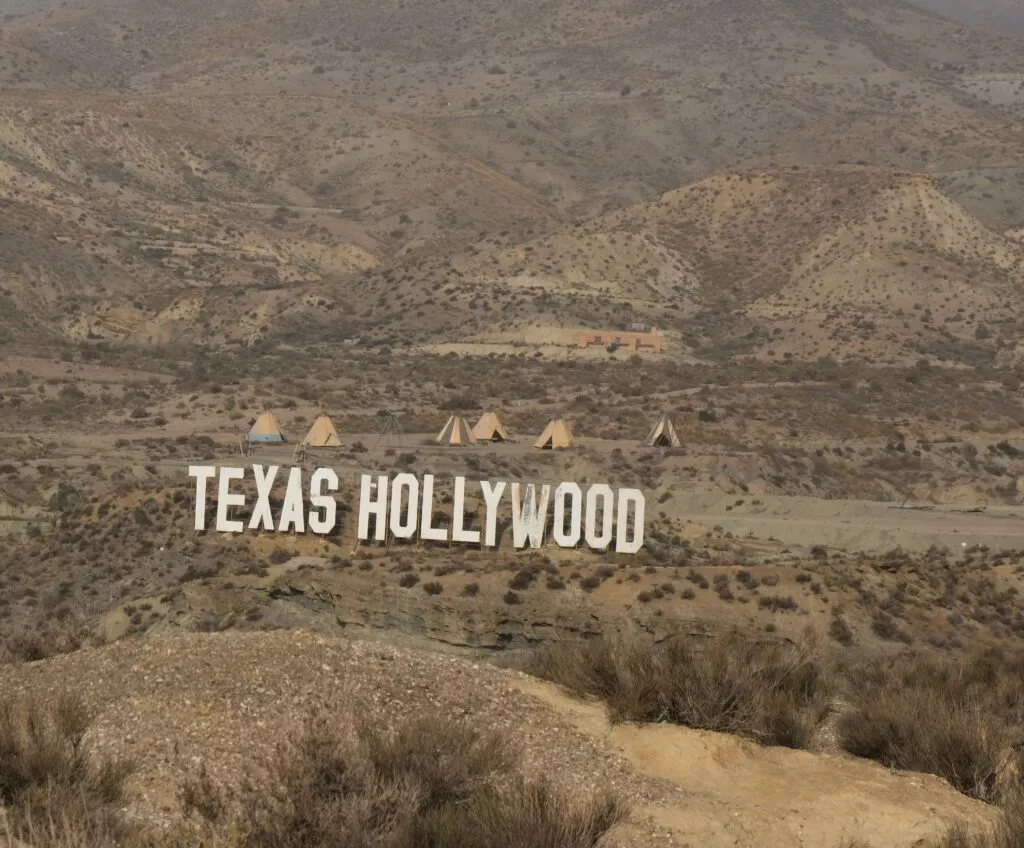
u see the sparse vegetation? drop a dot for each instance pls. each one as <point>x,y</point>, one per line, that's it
<point>1008,831</point>
<point>839,323</point>
<point>51,786</point>
<point>769,692</point>
<point>959,720</point>
<point>431,781</point>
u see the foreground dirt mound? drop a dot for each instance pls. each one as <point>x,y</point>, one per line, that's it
<point>174,701</point>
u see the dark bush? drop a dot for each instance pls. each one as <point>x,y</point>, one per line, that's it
<point>840,631</point>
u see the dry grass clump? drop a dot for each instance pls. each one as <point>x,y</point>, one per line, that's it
<point>1008,831</point>
<point>958,720</point>
<point>431,783</point>
<point>53,791</point>
<point>771,692</point>
<point>41,639</point>
<point>961,721</point>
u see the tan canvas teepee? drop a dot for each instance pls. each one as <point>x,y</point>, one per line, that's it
<point>663,435</point>
<point>557,434</point>
<point>456,432</point>
<point>265,429</point>
<point>322,434</point>
<point>490,429</point>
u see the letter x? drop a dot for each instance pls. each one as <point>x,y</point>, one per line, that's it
<point>261,513</point>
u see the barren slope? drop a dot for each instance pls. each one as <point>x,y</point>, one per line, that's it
<point>805,262</point>
<point>997,15</point>
<point>844,261</point>
<point>220,174</point>
<point>170,702</point>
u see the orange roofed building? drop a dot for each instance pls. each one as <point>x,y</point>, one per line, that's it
<point>619,338</point>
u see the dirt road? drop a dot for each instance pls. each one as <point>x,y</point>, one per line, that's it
<point>857,525</point>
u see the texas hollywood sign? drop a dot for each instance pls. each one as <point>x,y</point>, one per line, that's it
<point>602,517</point>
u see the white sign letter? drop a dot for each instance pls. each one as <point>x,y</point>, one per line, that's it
<point>604,492</point>
<point>427,532</point>
<point>261,513</point>
<point>492,496</point>
<point>377,507</point>
<point>571,537</point>
<point>323,518</point>
<point>406,529</point>
<point>529,516</point>
<point>226,499</point>
<point>626,497</point>
<point>292,514</point>
<point>202,473</point>
<point>471,537</point>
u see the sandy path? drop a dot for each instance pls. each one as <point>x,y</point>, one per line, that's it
<point>868,526</point>
<point>736,793</point>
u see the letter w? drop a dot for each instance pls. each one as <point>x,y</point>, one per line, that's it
<point>529,516</point>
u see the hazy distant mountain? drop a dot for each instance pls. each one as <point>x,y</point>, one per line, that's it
<point>221,172</point>
<point>1005,16</point>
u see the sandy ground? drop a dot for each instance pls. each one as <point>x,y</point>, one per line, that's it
<point>856,525</point>
<point>172,702</point>
<point>742,794</point>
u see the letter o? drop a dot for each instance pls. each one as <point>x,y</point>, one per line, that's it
<point>603,492</point>
<point>571,537</point>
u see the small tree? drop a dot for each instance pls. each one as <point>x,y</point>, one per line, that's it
<point>65,501</point>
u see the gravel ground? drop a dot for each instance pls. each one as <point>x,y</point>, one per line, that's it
<point>173,701</point>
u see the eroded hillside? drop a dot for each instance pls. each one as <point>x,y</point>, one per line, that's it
<point>179,172</point>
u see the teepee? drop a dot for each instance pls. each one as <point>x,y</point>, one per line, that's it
<point>663,435</point>
<point>265,430</point>
<point>392,429</point>
<point>456,432</point>
<point>556,435</point>
<point>322,434</point>
<point>490,429</point>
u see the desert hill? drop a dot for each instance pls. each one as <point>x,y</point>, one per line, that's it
<point>806,262</point>
<point>999,15</point>
<point>175,701</point>
<point>223,174</point>
<point>393,212</point>
<point>842,261</point>
<point>818,82</point>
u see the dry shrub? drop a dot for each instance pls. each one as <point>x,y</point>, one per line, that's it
<point>1008,831</point>
<point>775,693</point>
<point>68,825</point>
<point>53,791</point>
<point>520,814</point>
<point>431,783</point>
<point>42,640</point>
<point>957,720</point>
